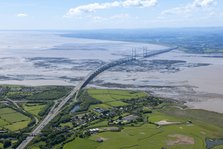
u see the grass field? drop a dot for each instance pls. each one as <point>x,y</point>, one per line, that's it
<point>3,122</point>
<point>18,125</point>
<point>201,115</point>
<point>1,146</point>
<point>105,95</point>
<point>113,98</point>
<point>13,120</point>
<point>69,124</point>
<point>81,144</point>
<point>33,108</point>
<point>117,103</point>
<point>36,146</point>
<point>103,106</point>
<point>158,116</point>
<point>183,136</point>
<point>218,147</point>
<point>14,117</point>
<point>6,111</point>
<point>99,124</point>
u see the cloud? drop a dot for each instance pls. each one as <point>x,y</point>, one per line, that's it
<point>100,6</point>
<point>203,3</point>
<point>22,15</point>
<point>138,3</point>
<point>189,7</point>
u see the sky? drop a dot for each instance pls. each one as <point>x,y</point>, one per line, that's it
<point>109,14</point>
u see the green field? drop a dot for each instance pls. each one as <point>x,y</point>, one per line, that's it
<point>6,111</point>
<point>3,122</point>
<point>99,124</point>
<point>103,106</point>
<point>18,125</point>
<point>158,116</point>
<point>1,146</point>
<point>33,108</point>
<point>68,124</point>
<point>106,99</point>
<point>117,103</point>
<point>81,144</point>
<point>218,147</point>
<point>201,115</point>
<point>14,117</point>
<point>113,98</point>
<point>36,146</point>
<point>13,120</point>
<point>106,95</point>
<point>183,136</point>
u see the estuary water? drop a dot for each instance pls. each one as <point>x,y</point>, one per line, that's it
<point>46,58</point>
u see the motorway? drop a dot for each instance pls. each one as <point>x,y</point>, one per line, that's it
<point>53,112</point>
<point>56,108</point>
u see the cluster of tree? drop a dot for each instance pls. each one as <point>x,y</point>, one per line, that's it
<point>87,101</point>
<point>53,137</point>
<point>50,94</point>
<point>154,101</point>
<point>3,91</point>
<point>7,144</point>
<point>18,136</point>
<point>151,100</point>
<point>46,109</point>
<point>18,95</point>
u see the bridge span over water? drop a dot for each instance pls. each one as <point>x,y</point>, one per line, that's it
<point>134,57</point>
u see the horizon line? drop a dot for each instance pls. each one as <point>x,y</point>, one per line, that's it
<point>192,27</point>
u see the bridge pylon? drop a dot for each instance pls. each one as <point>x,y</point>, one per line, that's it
<point>133,54</point>
<point>145,52</point>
